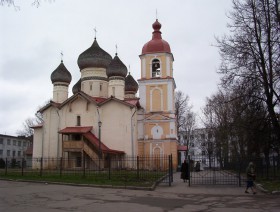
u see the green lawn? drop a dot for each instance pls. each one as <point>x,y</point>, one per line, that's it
<point>115,178</point>
<point>270,185</point>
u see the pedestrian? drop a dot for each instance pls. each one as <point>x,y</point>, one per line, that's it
<point>251,176</point>
<point>185,171</point>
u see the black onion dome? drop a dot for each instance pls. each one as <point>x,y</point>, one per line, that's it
<point>61,74</point>
<point>77,87</point>
<point>130,84</point>
<point>94,56</point>
<point>116,68</point>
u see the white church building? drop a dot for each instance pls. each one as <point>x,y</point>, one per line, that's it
<point>104,116</point>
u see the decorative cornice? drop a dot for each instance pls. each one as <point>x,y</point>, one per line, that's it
<point>116,78</point>
<point>59,84</point>
<point>94,78</point>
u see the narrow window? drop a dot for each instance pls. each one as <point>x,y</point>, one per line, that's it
<point>100,87</point>
<point>78,120</point>
<point>113,91</point>
<point>155,68</point>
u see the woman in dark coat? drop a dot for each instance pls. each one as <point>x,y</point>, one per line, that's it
<point>185,171</point>
<point>251,176</point>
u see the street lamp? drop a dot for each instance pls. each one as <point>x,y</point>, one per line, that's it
<point>99,138</point>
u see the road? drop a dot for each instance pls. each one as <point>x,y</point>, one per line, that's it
<point>34,197</point>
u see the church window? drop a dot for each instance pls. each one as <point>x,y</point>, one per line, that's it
<point>155,68</point>
<point>78,120</point>
<point>90,87</point>
<point>113,91</point>
<point>100,86</point>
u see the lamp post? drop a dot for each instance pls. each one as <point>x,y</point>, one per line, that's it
<point>99,138</point>
<point>99,142</point>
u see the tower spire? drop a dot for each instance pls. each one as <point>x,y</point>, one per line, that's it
<point>61,56</point>
<point>116,49</point>
<point>156,15</point>
<point>95,31</point>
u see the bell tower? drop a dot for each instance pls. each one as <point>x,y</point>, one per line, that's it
<point>156,92</point>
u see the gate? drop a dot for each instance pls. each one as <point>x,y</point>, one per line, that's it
<point>211,171</point>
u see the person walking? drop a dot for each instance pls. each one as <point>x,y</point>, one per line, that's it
<point>185,171</point>
<point>251,176</point>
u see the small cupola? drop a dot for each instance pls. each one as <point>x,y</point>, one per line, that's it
<point>116,68</point>
<point>77,87</point>
<point>131,86</point>
<point>61,79</point>
<point>61,74</point>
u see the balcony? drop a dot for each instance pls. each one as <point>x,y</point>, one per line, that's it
<point>73,145</point>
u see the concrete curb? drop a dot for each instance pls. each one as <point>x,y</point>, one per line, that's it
<point>86,185</point>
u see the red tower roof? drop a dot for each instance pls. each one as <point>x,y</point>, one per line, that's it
<point>157,44</point>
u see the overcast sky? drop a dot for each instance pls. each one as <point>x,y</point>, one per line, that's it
<point>31,40</point>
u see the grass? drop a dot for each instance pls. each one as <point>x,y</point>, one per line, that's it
<point>270,185</point>
<point>116,178</point>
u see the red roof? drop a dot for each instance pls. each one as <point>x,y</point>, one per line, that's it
<point>94,140</point>
<point>73,130</point>
<point>182,148</point>
<point>157,44</point>
<point>37,126</point>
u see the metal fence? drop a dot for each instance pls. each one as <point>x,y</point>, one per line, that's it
<point>231,170</point>
<point>125,170</point>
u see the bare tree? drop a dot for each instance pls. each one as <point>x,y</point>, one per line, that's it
<point>185,117</point>
<point>13,3</point>
<point>252,52</point>
<point>29,123</point>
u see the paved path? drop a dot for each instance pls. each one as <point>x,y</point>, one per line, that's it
<point>31,197</point>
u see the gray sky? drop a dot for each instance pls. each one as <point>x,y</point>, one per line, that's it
<point>31,40</point>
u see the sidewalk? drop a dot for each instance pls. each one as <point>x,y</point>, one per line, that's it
<point>178,186</point>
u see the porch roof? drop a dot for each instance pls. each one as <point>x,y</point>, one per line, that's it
<point>75,130</point>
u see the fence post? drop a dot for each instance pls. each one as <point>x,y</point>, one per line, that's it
<point>137,167</point>
<point>84,165</point>
<point>109,158</point>
<point>274,170</point>
<point>60,167</point>
<point>171,163</point>
<point>189,170</point>
<point>41,167</point>
<point>239,171</point>
<point>22,164</point>
<point>169,170</point>
<point>6,167</point>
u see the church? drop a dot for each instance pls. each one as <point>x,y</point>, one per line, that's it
<point>104,117</point>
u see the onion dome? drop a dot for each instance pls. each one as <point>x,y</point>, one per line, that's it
<point>94,56</point>
<point>131,86</point>
<point>116,68</point>
<point>77,87</point>
<point>61,74</point>
<point>157,44</point>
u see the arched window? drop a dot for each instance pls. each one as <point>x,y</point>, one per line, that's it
<point>78,120</point>
<point>155,68</point>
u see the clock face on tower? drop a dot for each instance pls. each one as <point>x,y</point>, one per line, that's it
<point>157,132</point>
